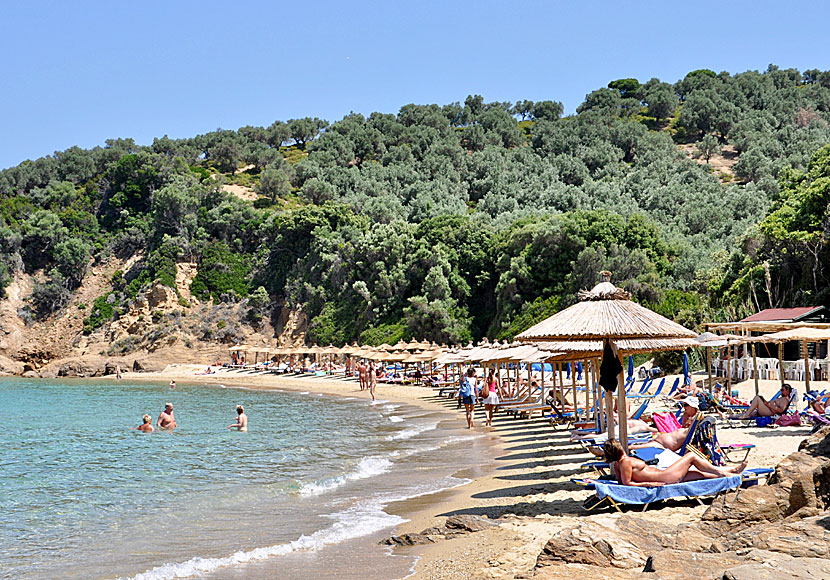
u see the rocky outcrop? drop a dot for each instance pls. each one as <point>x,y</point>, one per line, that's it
<point>799,488</point>
<point>453,527</point>
<point>776,531</point>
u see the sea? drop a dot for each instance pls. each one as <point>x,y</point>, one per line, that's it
<point>306,493</point>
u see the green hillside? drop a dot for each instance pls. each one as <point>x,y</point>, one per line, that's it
<point>457,221</point>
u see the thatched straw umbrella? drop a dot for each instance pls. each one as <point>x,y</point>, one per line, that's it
<point>607,314</point>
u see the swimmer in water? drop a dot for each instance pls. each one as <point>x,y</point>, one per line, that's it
<point>147,426</point>
<point>241,421</point>
<point>166,419</point>
<point>172,384</point>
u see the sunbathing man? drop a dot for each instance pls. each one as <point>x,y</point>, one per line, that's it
<point>760,407</point>
<point>166,419</point>
<point>632,471</point>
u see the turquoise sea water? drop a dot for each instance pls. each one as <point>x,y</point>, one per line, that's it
<point>301,495</point>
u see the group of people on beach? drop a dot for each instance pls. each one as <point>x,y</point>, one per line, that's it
<point>167,420</point>
<point>489,393</point>
<point>368,376</point>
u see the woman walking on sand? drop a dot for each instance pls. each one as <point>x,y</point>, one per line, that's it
<point>492,394</point>
<point>467,394</point>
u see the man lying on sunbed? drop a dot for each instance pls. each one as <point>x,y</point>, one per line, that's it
<point>760,407</point>
<point>632,471</point>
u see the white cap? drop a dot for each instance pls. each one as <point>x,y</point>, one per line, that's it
<point>692,402</point>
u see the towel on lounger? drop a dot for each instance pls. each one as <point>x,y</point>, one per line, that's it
<point>629,494</point>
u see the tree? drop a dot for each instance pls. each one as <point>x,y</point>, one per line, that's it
<point>660,98</point>
<point>628,87</point>
<point>547,110</point>
<point>304,130</point>
<point>708,146</point>
<point>274,184</point>
<point>524,109</point>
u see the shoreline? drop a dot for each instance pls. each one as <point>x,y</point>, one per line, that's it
<point>525,487</point>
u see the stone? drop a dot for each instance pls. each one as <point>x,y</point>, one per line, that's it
<point>808,537</point>
<point>138,366</point>
<point>799,488</point>
<point>110,368</point>
<point>407,540</point>
<point>765,565</point>
<point>464,524</point>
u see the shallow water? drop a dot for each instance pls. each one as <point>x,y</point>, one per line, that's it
<point>301,495</point>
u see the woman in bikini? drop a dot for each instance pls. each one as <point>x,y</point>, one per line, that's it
<point>632,471</point>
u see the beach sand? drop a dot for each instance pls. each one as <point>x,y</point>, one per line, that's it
<point>527,488</point>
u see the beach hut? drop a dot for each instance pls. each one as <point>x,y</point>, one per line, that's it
<point>606,316</point>
<point>803,335</point>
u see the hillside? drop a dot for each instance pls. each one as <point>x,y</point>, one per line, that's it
<point>706,197</point>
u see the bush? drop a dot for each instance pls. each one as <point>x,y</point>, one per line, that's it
<point>221,271</point>
<point>102,311</point>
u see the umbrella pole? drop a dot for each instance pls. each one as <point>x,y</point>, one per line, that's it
<point>728,369</point>
<point>599,417</point>
<point>781,362</point>
<point>755,368</point>
<point>622,406</point>
<point>573,391</point>
<point>709,369</point>
<point>806,366</point>
<point>587,391</point>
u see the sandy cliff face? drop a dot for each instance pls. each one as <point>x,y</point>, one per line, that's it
<point>161,326</point>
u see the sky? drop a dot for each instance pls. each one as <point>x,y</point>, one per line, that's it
<point>78,73</point>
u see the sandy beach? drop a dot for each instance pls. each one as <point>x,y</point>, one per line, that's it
<point>526,488</point>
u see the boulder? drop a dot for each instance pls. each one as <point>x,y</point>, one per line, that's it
<point>799,488</point>
<point>465,524</point>
<point>138,366</point>
<point>765,565</point>
<point>110,368</point>
<point>408,540</point>
<point>79,368</point>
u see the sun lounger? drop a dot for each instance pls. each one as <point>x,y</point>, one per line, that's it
<point>615,495</point>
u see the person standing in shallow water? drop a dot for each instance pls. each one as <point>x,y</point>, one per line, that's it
<point>166,419</point>
<point>241,420</point>
<point>372,378</point>
<point>147,425</point>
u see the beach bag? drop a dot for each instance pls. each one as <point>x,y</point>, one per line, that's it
<point>764,421</point>
<point>791,420</point>
<point>484,392</point>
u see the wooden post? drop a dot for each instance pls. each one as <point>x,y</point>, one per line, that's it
<point>806,366</point>
<point>781,362</point>
<point>587,391</point>
<point>755,368</point>
<point>573,390</point>
<point>622,406</point>
<point>709,370</point>
<point>728,370</point>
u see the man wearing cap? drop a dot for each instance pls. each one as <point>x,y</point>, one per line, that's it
<point>691,407</point>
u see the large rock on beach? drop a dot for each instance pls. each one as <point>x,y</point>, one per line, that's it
<point>775,531</point>
<point>799,488</point>
<point>453,527</point>
<point>763,565</point>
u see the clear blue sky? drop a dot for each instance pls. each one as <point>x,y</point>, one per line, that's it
<point>77,73</point>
